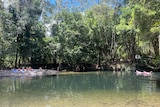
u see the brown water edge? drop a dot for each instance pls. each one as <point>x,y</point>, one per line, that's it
<point>91,98</point>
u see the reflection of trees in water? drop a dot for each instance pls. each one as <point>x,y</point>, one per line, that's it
<point>158,84</point>
<point>114,81</point>
<point>11,85</point>
<point>7,85</point>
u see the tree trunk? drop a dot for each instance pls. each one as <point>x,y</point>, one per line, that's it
<point>15,63</point>
<point>113,46</point>
<point>155,43</point>
<point>132,48</point>
<point>159,42</point>
<point>98,67</point>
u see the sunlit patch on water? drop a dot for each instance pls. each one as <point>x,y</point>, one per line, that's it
<point>81,90</point>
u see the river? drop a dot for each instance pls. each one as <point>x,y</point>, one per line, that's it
<point>87,89</point>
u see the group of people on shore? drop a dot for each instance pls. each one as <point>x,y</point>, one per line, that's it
<point>28,71</point>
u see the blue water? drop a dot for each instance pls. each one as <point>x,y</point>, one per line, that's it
<point>90,89</point>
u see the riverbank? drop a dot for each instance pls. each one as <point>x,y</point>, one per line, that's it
<point>33,73</point>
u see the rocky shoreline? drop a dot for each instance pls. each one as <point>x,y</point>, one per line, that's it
<point>34,73</point>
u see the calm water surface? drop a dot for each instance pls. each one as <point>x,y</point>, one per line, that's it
<point>105,89</point>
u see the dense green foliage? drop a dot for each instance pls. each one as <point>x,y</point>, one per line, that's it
<point>78,34</point>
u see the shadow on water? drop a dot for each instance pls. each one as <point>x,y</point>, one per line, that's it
<point>158,84</point>
<point>156,79</point>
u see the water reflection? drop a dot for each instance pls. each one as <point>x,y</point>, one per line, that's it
<point>11,85</point>
<point>83,87</point>
<point>158,84</point>
<point>75,82</point>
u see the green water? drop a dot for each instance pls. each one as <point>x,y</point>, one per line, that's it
<point>105,89</point>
